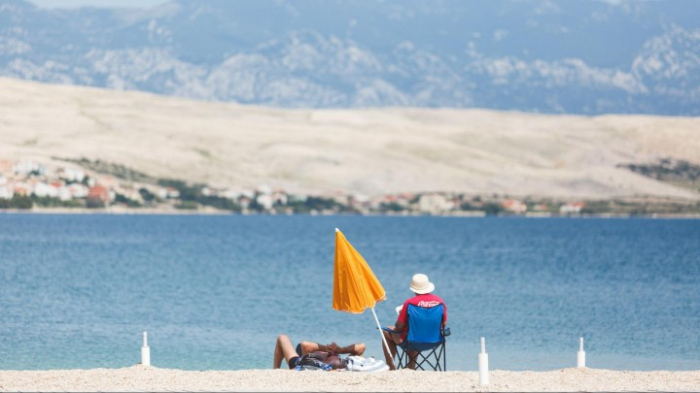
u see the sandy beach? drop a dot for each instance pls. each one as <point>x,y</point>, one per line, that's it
<point>139,378</point>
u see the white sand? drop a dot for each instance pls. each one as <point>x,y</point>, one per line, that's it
<point>139,378</point>
<point>372,151</point>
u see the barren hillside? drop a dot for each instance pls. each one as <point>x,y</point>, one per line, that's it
<point>373,151</point>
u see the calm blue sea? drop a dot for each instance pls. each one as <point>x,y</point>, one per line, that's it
<point>213,292</point>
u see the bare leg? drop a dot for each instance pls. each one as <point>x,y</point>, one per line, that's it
<point>352,349</point>
<point>391,339</point>
<point>283,350</point>
<point>412,355</point>
<point>310,346</point>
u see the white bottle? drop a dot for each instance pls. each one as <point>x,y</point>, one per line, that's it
<point>483,364</point>
<point>581,355</point>
<point>145,351</point>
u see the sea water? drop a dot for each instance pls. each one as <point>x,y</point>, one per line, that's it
<point>214,292</point>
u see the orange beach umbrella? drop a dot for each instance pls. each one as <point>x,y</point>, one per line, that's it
<point>355,287</point>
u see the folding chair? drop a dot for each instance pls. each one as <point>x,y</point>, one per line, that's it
<point>425,342</point>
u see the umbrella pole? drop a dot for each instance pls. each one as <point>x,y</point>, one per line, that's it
<point>386,345</point>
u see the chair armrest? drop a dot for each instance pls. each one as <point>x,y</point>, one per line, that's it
<point>446,331</point>
<point>386,329</point>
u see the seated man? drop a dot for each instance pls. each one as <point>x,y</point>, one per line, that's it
<point>327,353</point>
<point>422,288</point>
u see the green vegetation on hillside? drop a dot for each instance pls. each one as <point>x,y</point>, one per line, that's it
<point>17,202</point>
<point>108,168</point>
<point>191,196</point>
<point>677,172</point>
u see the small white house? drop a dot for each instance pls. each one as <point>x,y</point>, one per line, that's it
<point>26,167</point>
<point>279,197</point>
<point>230,194</point>
<point>246,193</point>
<point>168,193</point>
<point>515,206</point>
<point>6,192</point>
<point>434,203</point>
<point>264,189</point>
<point>265,201</point>
<point>43,190</point>
<point>72,174</point>
<point>572,208</point>
<point>64,194</point>
<point>78,190</point>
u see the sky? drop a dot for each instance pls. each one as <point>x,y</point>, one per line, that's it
<point>97,3</point>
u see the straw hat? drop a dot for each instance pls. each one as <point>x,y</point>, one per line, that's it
<point>421,285</point>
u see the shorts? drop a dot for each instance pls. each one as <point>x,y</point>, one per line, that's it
<point>293,359</point>
<point>293,362</point>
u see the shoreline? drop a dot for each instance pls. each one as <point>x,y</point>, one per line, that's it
<point>213,212</point>
<point>140,378</point>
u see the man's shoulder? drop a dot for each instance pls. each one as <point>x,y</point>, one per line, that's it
<point>427,300</point>
<point>426,296</point>
<point>438,298</point>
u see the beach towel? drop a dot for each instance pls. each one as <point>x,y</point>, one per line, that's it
<point>367,365</point>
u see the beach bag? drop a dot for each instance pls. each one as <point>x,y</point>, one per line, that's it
<point>365,365</point>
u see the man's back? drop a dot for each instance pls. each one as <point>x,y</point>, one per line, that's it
<point>426,300</point>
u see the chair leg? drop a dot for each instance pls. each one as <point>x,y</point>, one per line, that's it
<point>400,353</point>
<point>436,359</point>
<point>427,359</point>
<point>444,357</point>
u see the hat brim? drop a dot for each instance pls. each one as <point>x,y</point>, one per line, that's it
<point>428,289</point>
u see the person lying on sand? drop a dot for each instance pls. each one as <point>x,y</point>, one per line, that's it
<point>312,354</point>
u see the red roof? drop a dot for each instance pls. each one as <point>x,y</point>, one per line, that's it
<point>98,192</point>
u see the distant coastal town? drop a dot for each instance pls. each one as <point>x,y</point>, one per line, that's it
<point>96,186</point>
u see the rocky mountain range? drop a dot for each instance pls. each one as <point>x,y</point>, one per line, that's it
<point>577,56</point>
